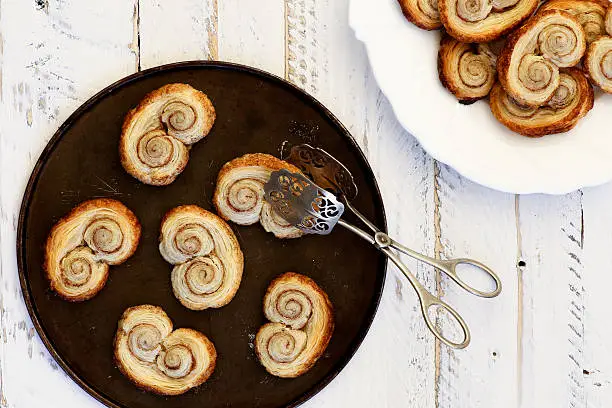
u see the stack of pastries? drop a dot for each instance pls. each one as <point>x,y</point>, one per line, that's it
<point>536,62</point>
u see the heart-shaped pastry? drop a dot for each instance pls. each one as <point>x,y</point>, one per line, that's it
<point>157,134</point>
<point>207,259</point>
<point>301,325</point>
<point>239,195</point>
<point>81,246</point>
<point>158,359</point>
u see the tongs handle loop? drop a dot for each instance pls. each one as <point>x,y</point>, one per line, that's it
<point>427,301</point>
<point>449,267</point>
<point>381,241</point>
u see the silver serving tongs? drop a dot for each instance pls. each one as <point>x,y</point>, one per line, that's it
<point>314,210</point>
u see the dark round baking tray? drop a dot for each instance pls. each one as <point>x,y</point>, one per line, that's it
<point>256,112</point>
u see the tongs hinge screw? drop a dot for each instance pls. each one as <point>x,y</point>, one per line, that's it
<point>382,240</point>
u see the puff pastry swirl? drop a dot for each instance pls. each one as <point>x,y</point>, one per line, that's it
<point>465,70</point>
<point>156,135</point>
<point>483,20</point>
<point>81,246</point>
<point>156,358</point>
<point>239,195</point>
<point>422,13</point>
<point>571,101</point>
<point>590,14</point>
<point>598,60</point>
<point>608,20</point>
<point>207,259</point>
<point>528,66</point>
<point>301,326</point>
<point>598,63</point>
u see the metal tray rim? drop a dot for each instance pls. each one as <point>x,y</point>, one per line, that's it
<point>47,151</point>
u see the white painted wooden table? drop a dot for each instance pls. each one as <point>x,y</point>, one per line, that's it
<point>542,343</point>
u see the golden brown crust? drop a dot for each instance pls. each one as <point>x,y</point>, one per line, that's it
<point>210,349</point>
<point>464,70</point>
<point>68,235</point>
<point>162,180</point>
<point>302,280</point>
<point>239,193</point>
<point>169,90</point>
<point>295,338</point>
<point>603,3</point>
<point>488,25</point>
<point>522,48</point>
<point>165,152</point>
<point>598,63</point>
<point>151,378</point>
<point>117,358</point>
<point>199,211</point>
<point>571,102</point>
<point>257,159</point>
<point>208,262</point>
<point>427,20</point>
<point>590,14</point>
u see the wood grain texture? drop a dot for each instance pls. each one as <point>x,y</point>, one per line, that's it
<point>553,300</point>
<point>178,30</point>
<point>252,33</point>
<point>50,65</point>
<point>543,343</point>
<point>478,223</point>
<point>324,58</point>
<point>596,261</point>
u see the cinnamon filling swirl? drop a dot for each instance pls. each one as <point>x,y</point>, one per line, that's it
<point>571,101</point>
<point>207,259</point>
<point>157,134</point>
<point>528,66</point>
<point>598,63</point>
<point>239,194</point>
<point>159,359</point>
<point>301,325</point>
<point>82,245</point>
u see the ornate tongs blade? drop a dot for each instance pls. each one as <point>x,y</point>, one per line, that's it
<point>319,211</point>
<point>302,203</point>
<point>324,169</point>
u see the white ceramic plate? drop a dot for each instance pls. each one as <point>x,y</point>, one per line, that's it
<point>469,138</point>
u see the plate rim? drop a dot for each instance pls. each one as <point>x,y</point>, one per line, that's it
<point>83,108</point>
<point>361,34</point>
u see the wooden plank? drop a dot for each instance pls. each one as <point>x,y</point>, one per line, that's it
<point>596,281</point>
<point>252,33</point>
<point>48,70</point>
<point>553,300</point>
<point>178,30</point>
<point>395,365</point>
<point>479,223</point>
<point>55,55</point>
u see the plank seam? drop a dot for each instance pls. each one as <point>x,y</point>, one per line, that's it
<point>213,31</point>
<point>520,265</point>
<point>135,46</point>
<point>438,249</point>
<point>286,56</point>
<point>575,326</point>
